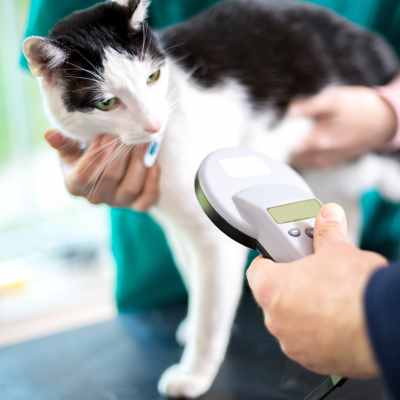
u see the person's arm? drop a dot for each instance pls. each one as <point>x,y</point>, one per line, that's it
<point>391,94</point>
<point>326,330</point>
<point>382,303</point>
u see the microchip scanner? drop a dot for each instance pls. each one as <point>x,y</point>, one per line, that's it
<point>261,203</point>
<point>264,205</point>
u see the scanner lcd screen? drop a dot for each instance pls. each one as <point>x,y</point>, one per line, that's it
<point>293,212</point>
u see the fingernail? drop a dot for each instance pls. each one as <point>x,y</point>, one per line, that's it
<point>55,138</point>
<point>51,134</point>
<point>332,213</point>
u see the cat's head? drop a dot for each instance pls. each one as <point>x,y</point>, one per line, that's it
<point>102,70</point>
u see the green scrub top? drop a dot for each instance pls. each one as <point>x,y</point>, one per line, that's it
<point>146,273</point>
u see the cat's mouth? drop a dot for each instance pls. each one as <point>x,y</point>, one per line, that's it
<point>147,135</point>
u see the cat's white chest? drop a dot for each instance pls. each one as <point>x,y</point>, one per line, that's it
<point>205,120</point>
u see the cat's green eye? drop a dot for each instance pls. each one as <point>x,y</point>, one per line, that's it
<point>154,77</point>
<point>107,105</point>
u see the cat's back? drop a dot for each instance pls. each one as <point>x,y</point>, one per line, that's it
<point>278,49</point>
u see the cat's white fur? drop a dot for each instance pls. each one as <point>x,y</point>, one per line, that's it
<point>199,122</point>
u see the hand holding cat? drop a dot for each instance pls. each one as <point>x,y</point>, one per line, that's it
<point>103,178</point>
<point>349,121</point>
<point>314,306</point>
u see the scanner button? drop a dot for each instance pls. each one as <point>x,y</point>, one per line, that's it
<point>310,232</point>
<point>295,232</point>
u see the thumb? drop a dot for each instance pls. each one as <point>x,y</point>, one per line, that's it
<point>330,226</point>
<point>69,150</point>
<point>313,107</point>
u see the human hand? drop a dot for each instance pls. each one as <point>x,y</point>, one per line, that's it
<point>349,121</point>
<point>107,173</point>
<point>314,306</point>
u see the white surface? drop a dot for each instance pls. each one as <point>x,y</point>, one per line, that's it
<point>245,167</point>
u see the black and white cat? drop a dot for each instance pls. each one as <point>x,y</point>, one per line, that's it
<point>224,78</point>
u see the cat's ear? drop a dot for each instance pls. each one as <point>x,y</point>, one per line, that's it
<point>43,56</point>
<point>138,10</point>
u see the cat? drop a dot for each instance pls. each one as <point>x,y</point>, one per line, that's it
<point>224,78</point>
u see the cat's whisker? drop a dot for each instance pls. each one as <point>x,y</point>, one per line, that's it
<point>83,78</point>
<point>95,157</point>
<point>118,153</point>
<point>96,69</point>
<point>141,57</point>
<point>95,90</point>
<point>67,146</point>
<point>105,146</point>
<point>96,178</point>
<point>177,60</point>
<point>80,68</point>
<point>145,44</point>
<point>95,184</point>
<point>191,72</point>
<point>174,46</point>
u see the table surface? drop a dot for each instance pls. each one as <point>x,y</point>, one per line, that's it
<point>122,359</point>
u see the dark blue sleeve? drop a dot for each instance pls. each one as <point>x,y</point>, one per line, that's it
<point>382,301</point>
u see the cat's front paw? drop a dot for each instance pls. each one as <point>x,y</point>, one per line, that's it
<point>178,383</point>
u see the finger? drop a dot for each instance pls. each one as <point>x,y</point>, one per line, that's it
<point>330,226</point>
<point>317,159</point>
<point>321,138</point>
<point>263,281</point>
<point>313,107</point>
<point>132,184</point>
<point>98,151</point>
<point>69,150</point>
<point>90,166</point>
<point>113,168</point>
<point>151,190</point>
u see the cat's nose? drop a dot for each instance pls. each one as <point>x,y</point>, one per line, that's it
<point>153,127</point>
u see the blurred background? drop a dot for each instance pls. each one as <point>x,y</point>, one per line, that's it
<point>55,267</point>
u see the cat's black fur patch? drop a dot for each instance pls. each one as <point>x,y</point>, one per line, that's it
<point>84,36</point>
<point>278,49</point>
